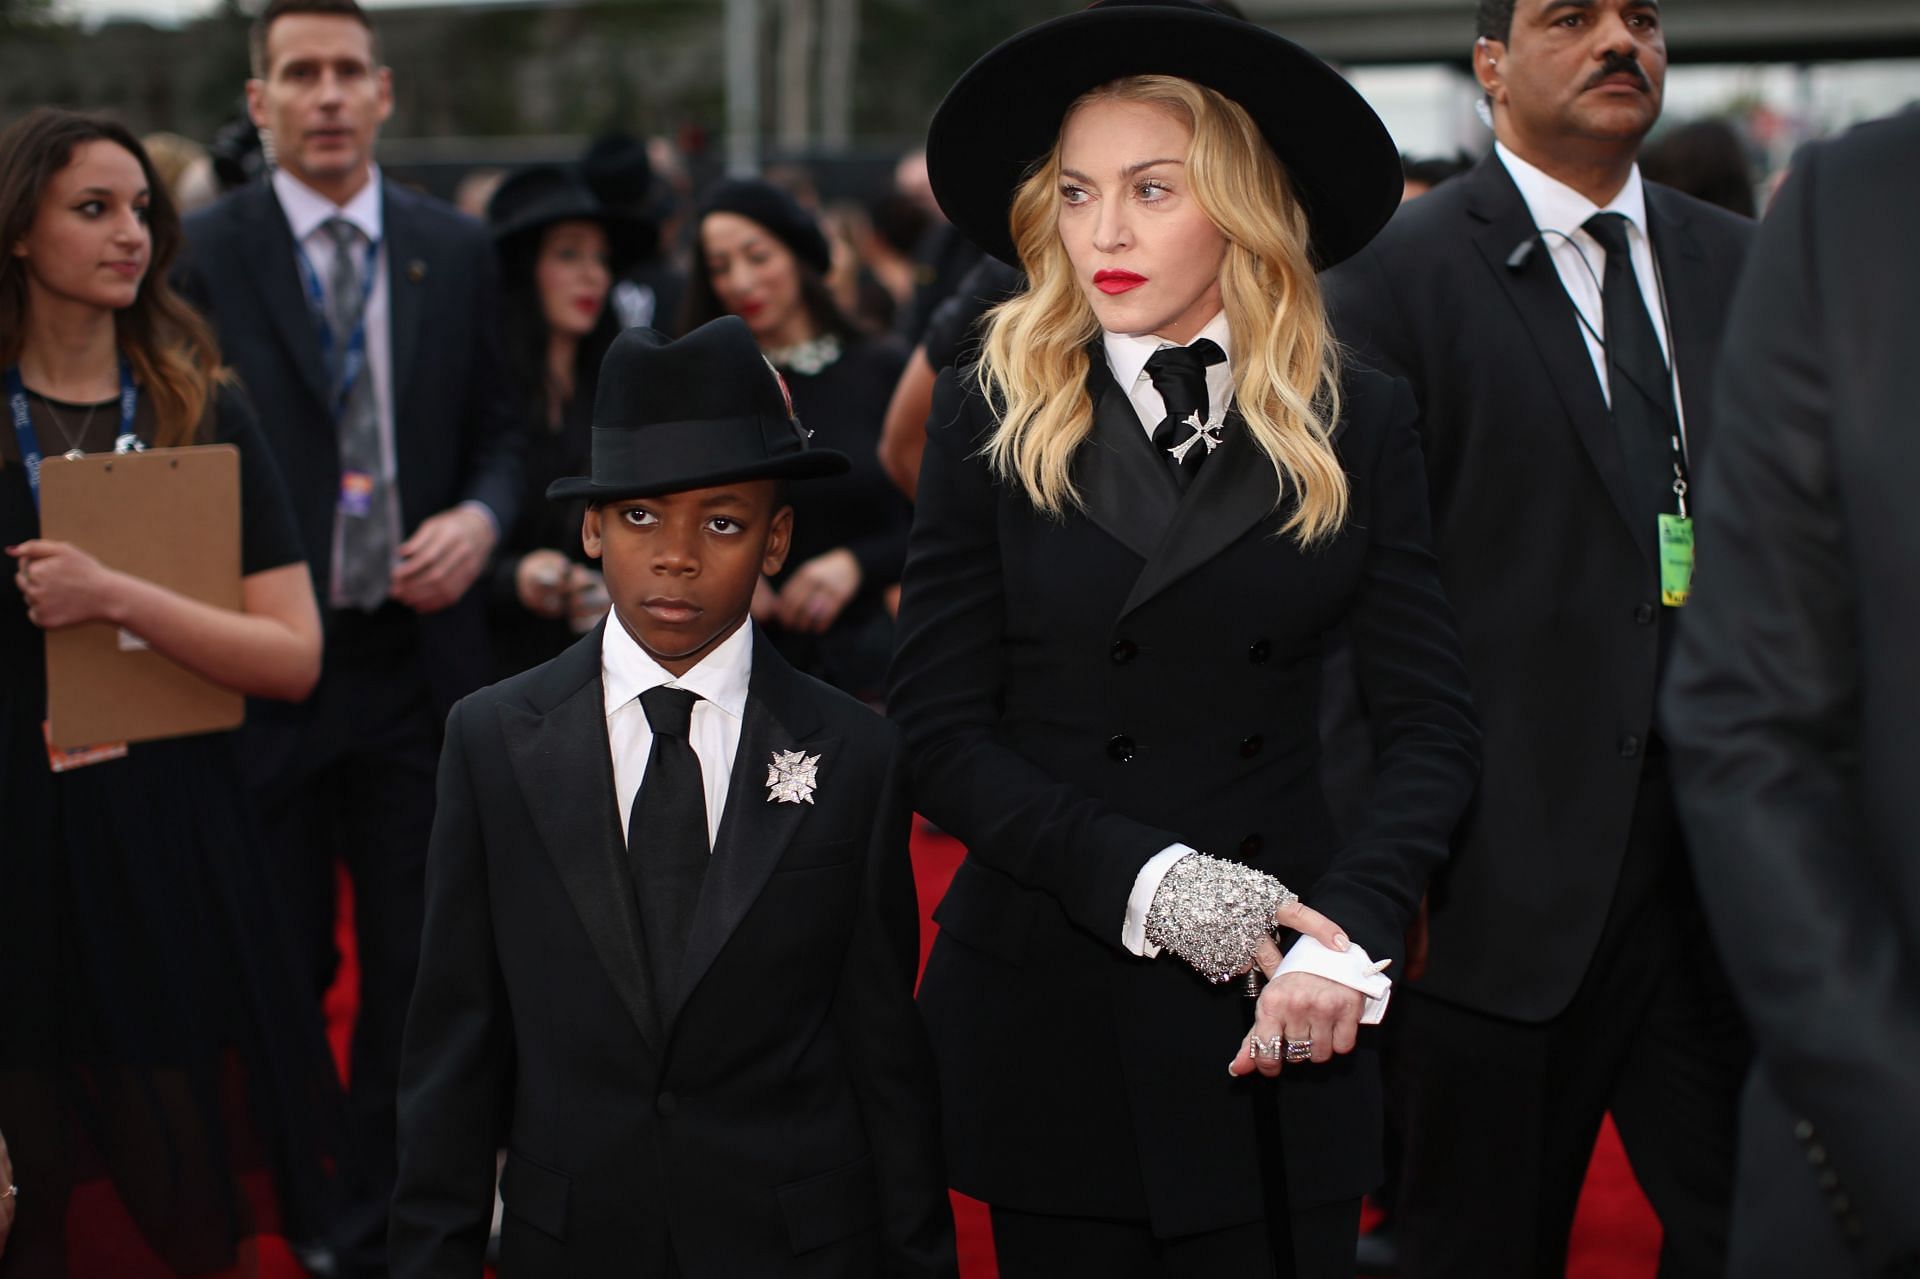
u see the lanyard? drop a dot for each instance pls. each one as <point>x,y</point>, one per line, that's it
<point>124,441</point>
<point>355,358</point>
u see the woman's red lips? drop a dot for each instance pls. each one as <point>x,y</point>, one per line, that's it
<point>1117,281</point>
<point>587,306</point>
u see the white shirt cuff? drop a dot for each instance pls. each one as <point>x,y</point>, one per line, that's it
<point>1133,933</point>
<point>1353,968</point>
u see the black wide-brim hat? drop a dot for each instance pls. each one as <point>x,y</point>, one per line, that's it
<point>1004,113</point>
<point>531,199</point>
<point>705,410</point>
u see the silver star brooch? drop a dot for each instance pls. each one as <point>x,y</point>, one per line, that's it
<point>791,777</point>
<point>1207,433</point>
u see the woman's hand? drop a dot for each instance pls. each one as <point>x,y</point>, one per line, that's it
<point>63,585</point>
<point>543,581</point>
<point>818,590</point>
<point>1297,1008</point>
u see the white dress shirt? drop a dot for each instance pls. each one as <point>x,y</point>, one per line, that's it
<point>1127,358</point>
<point>721,680</point>
<point>1560,212</point>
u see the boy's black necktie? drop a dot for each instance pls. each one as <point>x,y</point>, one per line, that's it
<point>667,837</point>
<point>1638,382</point>
<point>1179,373</point>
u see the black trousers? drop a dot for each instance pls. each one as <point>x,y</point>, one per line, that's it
<point>1502,1115</point>
<point>1037,1246</point>
<point>354,784</point>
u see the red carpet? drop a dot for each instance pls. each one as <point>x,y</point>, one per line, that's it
<point>1614,1237</point>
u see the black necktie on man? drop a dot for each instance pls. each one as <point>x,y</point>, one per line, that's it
<point>667,837</point>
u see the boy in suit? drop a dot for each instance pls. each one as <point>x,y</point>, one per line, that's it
<point>671,934</point>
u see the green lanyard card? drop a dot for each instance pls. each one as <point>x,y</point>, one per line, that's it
<point>1676,559</point>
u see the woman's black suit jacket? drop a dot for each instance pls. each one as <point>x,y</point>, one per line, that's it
<point>1080,693</point>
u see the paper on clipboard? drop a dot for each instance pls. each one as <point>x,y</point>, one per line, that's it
<point>171,516</point>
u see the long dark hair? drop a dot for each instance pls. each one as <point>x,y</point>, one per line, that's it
<point>525,331</point>
<point>704,304</point>
<point>172,350</point>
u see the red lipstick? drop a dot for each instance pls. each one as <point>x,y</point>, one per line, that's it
<point>1117,281</point>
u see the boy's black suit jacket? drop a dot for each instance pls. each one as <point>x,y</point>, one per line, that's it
<point>776,1115</point>
<point>455,437</point>
<point>1556,585</point>
<point>1080,693</point>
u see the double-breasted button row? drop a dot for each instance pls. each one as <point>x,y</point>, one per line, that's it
<point>1120,748</point>
<point>1629,746</point>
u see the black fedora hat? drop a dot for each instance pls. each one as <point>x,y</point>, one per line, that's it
<point>1004,113</point>
<point>530,199</point>
<point>705,410</point>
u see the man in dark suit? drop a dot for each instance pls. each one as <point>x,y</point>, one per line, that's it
<point>1794,710</point>
<point>361,318</point>
<point>1560,322</point>
<point>677,983</point>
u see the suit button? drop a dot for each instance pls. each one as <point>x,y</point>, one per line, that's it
<point>1123,651</point>
<point>1643,614</point>
<point>1120,748</point>
<point>1251,845</point>
<point>1250,746</point>
<point>1842,1205</point>
<point>1804,1130</point>
<point>1817,1155</point>
<point>667,1104</point>
<point>1259,652</point>
<point>1829,1180</point>
<point>1629,746</point>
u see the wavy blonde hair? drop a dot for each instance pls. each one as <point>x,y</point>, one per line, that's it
<point>1034,359</point>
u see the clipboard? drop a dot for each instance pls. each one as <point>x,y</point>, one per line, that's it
<point>171,516</point>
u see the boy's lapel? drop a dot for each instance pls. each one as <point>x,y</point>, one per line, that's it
<point>565,770</point>
<point>755,830</point>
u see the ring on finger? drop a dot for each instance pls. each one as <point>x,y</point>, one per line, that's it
<point>1296,1050</point>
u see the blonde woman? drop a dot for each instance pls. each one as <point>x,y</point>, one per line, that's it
<point>1141,517</point>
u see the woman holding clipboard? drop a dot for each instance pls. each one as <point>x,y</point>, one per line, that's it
<point>150,1030</point>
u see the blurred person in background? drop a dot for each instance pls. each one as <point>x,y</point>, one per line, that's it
<point>1707,160</point>
<point>156,1032</point>
<point>1423,175</point>
<point>186,169</point>
<point>764,258</point>
<point>363,319</point>
<point>560,251</point>
<point>1559,319</point>
<point>894,223</point>
<point>474,191</point>
<point>1794,710</point>
<point>649,289</point>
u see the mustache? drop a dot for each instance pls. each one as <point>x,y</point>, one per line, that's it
<point>1618,63</point>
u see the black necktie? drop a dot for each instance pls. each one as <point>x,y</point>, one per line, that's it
<point>1179,373</point>
<point>667,837</point>
<point>1638,382</point>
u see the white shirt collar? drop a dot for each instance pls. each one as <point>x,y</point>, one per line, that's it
<point>1555,206</point>
<point>721,677</point>
<point>307,209</point>
<point>1127,355</point>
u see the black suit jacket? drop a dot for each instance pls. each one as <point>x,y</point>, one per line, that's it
<point>455,436</point>
<point>1078,694</point>
<point>1795,708</point>
<point>776,1116</point>
<point>1554,580</point>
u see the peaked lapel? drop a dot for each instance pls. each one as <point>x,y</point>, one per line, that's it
<point>406,295</point>
<point>558,748</point>
<point>754,831</point>
<point>1233,492</point>
<point>1548,316</point>
<point>1694,310</point>
<point>1127,489</point>
<point>266,248</point>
